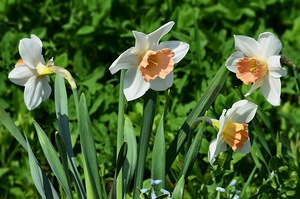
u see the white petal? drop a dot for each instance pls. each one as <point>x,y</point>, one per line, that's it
<point>20,75</point>
<point>216,146</point>
<point>125,61</point>
<point>30,51</point>
<point>141,42</point>
<point>255,85</point>
<point>36,39</point>
<point>275,68</point>
<point>231,61</point>
<point>134,85</point>
<point>271,89</point>
<point>159,84</point>
<point>179,48</point>
<point>46,88</point>
<point>247,45</point>
<point>242,111</point>
<point>36,90</point>
<point>270,44</point>
<point>246,148</point>
<point>155,36</point>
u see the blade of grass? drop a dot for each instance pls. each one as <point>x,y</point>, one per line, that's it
<point>203,104</point>
<point>89,151</point>
<point>158,170</point>
<point>147,122</point>
<point>53,159</point>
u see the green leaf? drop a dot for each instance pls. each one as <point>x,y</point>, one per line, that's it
<point>178,191</point>
<point>12,128</point>
<point>61,108</point>
<point>131,158</point>
<point>146,129</point>
<point>62,60</point>
<point>193,151</point>
<point>203,104</point>
<point>89,150</point>
<point>41,182</point>
<point>84,30</point>
<point>53,160</point>
<point>159,156</point>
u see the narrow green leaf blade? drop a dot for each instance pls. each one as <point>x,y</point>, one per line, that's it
<point>89,150</point>
<point>12,128</point>
<point>61,107</point>
<point>158,170</point>
<point>193,151</point>
<point>131,157</point>
<point>146,129</point>
<point>178,191</point>
<point>41,182</point>
<point>53,159</point>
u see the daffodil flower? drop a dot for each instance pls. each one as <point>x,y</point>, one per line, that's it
<point>258,63</point>
<point>149,63</point>
<point>32,72</point>
<point>232,129</point>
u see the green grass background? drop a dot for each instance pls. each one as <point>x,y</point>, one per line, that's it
<point>85,37</point>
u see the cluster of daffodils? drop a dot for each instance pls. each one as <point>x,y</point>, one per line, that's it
<point>149,65</point>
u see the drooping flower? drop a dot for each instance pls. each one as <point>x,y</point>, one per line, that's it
<point>31,72</point>
<point>258,63</point>
<point>149,63</point>
<point>233,129</point>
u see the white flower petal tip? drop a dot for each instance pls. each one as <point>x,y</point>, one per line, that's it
<point>149,64</point>
<point>31,72</point>
<point>264,55</point>
<point>233,129</point>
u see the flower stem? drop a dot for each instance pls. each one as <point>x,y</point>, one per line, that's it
<point>147,122</point>
<point>120,134</point>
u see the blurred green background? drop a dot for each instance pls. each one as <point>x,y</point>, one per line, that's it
<point>86,36</point>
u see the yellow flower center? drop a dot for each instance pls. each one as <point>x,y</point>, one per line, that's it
<point>251,69</point>
<point>156,64</point>
<point>43,70</point>
<point>235,135</point>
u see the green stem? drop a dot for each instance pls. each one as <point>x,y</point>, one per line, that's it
<point>120,134</point>
<point>147,122</point>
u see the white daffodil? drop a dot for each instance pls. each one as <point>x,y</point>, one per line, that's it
<point>258,63</point>
<point>232,129</point>
<point>149,63</point>
<point>31,71</point>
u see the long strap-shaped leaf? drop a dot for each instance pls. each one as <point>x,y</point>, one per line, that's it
<point>53,159</point>
<point>146,129</point>
<point>203,104</point>
<point>89,150</point>
<point>61,107</point>
<point>41,182</point>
